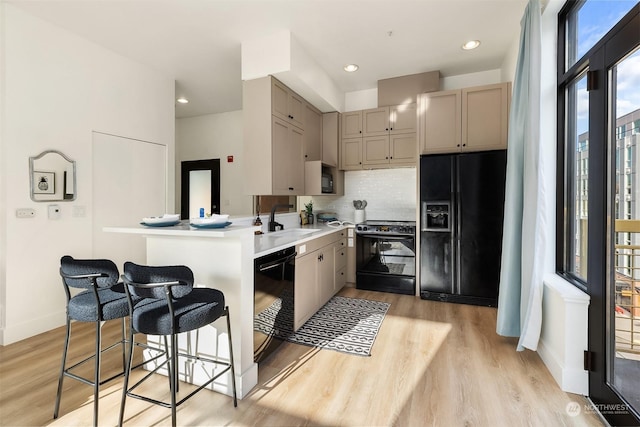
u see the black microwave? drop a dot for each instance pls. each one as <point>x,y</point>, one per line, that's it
<point>327,183</point>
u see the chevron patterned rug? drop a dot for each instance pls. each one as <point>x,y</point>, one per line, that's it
<point>348,325</point>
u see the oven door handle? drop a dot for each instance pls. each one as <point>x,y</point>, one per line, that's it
<point>276,263</point>
<point>385,237</point>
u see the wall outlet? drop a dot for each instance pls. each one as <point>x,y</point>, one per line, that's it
<point>25,213</point>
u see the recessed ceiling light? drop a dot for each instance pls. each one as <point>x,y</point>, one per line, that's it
<point>350,68</point>
<point>182,100</point>
<point>471,44</point>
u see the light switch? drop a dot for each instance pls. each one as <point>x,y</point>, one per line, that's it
<point>54,211</point>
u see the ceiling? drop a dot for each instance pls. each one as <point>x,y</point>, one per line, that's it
<point>197,42</point>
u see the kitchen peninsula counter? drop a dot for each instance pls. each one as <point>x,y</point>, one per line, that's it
<point>221,259</point>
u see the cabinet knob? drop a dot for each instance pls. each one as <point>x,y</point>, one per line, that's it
<point>391,128</point>
<point>305,156</point>
<point>391,157</point>
<point>290,188</point>
<point>464,145</point>
<point>457,145</point>
<point>360,131</point>
<point>387,157</point>
<point>359,163</point>
<point>386,129</point>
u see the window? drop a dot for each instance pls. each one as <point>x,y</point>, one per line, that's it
<point>582,26</point>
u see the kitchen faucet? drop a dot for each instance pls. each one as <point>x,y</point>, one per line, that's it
<point>272,218</point>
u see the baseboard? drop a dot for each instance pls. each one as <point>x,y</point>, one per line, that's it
<point>570,380</point>
<point>14,333</point>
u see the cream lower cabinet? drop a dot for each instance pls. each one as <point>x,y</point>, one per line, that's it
<point>315,276</point>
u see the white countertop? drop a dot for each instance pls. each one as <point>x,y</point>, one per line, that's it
<point>270,242</point>
<point>263,243</point>
<point>184,230</point>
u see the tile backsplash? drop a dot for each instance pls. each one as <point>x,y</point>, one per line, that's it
<point>390,195</point>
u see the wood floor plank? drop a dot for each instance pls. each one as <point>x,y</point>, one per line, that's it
<point>433,364</point>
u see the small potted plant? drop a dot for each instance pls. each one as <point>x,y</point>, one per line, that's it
<point>309,208</point>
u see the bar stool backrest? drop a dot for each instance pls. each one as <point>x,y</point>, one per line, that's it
<point>142,274</point>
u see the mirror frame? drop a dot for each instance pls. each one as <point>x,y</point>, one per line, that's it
<point>31,171</point>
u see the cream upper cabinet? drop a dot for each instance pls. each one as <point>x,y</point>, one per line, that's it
<point>402,118</point>
<point>287,105</point>
<point>351,154</point>
<point>375,150</point>
<point>288,163</point>
<point>389,138</point>
<point>312,133</point>
<point>330,137</point>
<point>375,122</point>
<point>273,147</point>
<point>441,125</point>
<point>485,117</point>
<point>352,124</point>
<point>471,119</point>
<point>403,149</point>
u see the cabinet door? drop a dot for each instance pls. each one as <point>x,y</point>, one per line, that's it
<point>375,121</point>
<point>352,124</point>
<point>351,154</point>
<point>485,114</point>
<point>403,149</point>
<point>375,150</point>
<point>297,108</point>
<point>403,118</point>
<point>305,289</point>
<point>330,139</point>
<point>279,100</point>
<point>441,125</point>
<point>312,133</point>
<point>296,161</point>
<point>326,276</point>
<point>288,161</point>
<point>287,105</point>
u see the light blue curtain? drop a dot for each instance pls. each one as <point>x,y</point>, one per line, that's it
<point>524,237</point>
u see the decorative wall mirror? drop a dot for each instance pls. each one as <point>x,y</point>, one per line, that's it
<point>52,176</point>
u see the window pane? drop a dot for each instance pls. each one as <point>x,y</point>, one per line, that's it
<point>625,304</point>
<point>587,24</point>
<point>577,176</point>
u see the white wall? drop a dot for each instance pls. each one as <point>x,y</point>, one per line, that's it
<point>56,89</point>
<point>214,136</point>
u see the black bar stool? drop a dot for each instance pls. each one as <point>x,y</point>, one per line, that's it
<point>103,299</point>
<point>171,306</point>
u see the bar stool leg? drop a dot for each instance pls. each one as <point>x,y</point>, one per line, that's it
<point>233,371</point>
<point>96,381</point>
<point>64,362</point>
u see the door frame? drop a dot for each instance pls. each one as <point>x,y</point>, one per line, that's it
<point>186,167</point>
<point>617,44</point>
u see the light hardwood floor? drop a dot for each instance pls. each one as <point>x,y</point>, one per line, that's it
<point>435,364</point>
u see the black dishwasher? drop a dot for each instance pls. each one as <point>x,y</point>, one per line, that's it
<point>273,301</point>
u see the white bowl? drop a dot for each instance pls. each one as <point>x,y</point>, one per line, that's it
<point>161,219</point>
<point>213,219</point>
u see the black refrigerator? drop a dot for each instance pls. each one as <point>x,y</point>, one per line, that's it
<point>462,210</point>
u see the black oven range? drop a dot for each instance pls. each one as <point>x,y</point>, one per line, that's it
<point>386,256</point>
